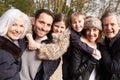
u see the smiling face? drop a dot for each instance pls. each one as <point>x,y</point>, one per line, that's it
<point>42,25</point>
<point>59,27</point>
<point>77,23</point>
<point>110,26</point>
<point>92,34</point>
<point>16,29</point>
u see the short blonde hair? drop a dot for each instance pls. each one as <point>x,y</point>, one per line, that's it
<point>76,14</point>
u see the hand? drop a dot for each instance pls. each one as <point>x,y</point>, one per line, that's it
<point>97,54</point>
<point>32,45</point>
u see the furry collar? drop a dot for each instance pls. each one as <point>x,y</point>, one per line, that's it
<point>10,47</point>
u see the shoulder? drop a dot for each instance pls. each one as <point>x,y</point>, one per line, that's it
<point>74,35</point>
<point>73,32</point>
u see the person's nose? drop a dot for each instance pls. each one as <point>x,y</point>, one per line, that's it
<point>109,27</point>
<point>91,32</point>
<point>17,29</point>
<point>77,23</point>
<point>59,29</point>
<point>45,27</point>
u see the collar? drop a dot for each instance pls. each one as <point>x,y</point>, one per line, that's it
<point>10,47</point>
<point>15,42</point>
<point>42,39</point>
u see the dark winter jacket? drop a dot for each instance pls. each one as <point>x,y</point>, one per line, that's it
<point>82,65</point>
<point>77,43</point>
<point>10,59</point>
<point>111,58</point>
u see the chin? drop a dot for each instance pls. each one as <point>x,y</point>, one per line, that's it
<point>110,36</point>
<point>15,38</point>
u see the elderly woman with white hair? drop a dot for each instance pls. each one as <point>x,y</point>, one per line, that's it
<point>85,66</point>
<point>13,27</point>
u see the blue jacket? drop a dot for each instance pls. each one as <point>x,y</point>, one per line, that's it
<point>10,59</point>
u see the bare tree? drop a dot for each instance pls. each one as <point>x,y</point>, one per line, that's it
<point>88,7</point>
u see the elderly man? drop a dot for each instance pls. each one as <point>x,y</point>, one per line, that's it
<point>111,57</point>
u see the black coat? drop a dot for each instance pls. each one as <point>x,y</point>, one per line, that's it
<point>82,64</point>
<point>111,58</point>
<point>10,59</point>
<point>77,43</point>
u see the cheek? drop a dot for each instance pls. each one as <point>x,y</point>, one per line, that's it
<point>37,27</point>
<point>63,30</point>
<point>22,29</point>
<point>97,33</point>
<point>82,23</point>
<point>37,24</point>
<point>48,29</point>
<point>9,32</point>
<point>10,29</point>
<point>87,34</point>
<point>54,29</point>
<point>117,28</point>
<point>73,26</point>
<point>104,28</point>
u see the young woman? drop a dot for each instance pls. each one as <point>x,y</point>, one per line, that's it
<point>13,27</point>
<point>85,66</point>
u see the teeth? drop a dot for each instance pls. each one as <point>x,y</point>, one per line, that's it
<point>109,32</point>
<point>15,34</point>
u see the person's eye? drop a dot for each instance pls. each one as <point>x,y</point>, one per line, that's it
<point>41,22</point>
<point>62,27</point>
<point>56,26</point>
<point>21,25</point>
<point>49,25</point>
<point>112,24</point>
<point>14,24</point>
<point>79,21</point>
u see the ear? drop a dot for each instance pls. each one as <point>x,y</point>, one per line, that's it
<point>33,21</point>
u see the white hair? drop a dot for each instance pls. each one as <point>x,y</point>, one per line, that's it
<point>9,17</point>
